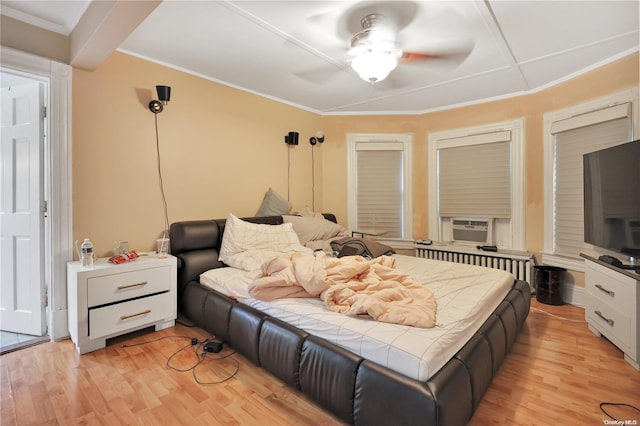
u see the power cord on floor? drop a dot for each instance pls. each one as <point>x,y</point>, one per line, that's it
<point>555,316</point>
<point>202,350</point>
<point>205,355</point>
<point>619,404</point>
<point>184,370</point>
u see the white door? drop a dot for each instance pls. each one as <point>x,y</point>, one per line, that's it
<point>22,294</point>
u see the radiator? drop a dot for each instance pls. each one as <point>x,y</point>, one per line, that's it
<point>520,264</point>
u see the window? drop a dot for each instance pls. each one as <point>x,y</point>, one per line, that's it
<point>478,172</point>
<point>569,134</point>
<point>379,185</point>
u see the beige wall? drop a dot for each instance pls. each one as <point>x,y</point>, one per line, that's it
<point>605,80</point>
<point>221,149</point>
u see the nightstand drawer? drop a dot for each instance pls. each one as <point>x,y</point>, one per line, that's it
<point>125,316</point>
<point>127,285</point>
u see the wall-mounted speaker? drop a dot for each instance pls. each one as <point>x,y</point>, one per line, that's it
<point>292,138</point>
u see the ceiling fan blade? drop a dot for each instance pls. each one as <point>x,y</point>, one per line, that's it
<point>320,75</point>
<point>409,57</point>
<point>322,28</point>
<point>448,57</point>
<point>318,34</point>
<point>439,34</point>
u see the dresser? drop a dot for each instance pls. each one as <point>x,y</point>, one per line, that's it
<point>110,300</point>
<point>612,306</point>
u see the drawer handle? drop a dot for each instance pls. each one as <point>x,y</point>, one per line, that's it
<point>123,287</point>
<point>609,292</point>
<point>609,321</point>
<point>126,317</point>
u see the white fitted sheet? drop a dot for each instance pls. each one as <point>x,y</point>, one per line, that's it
<point>466,295</point>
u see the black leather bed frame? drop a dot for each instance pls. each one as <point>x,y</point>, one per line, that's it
<point>355,390</point>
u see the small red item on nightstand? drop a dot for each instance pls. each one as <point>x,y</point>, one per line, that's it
<point>123,258</point>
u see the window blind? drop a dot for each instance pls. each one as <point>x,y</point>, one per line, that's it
<point>475,180</point>
<point>590,118</point>
<point>379,187</point>
<point>570,146</point>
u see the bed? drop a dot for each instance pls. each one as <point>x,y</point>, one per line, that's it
<point>358,384</point>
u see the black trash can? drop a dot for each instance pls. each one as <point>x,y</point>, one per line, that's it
<point>549,282</point>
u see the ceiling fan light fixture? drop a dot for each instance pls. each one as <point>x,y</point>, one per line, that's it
<point>374,66</point>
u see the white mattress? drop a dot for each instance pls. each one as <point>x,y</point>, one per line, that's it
<point>466,295</point>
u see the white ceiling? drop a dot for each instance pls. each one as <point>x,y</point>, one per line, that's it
<point>294,51</point>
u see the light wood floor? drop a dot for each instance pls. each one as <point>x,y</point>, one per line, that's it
<point>557,372</point>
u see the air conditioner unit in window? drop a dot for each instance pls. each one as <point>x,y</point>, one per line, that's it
<point>472,230</point>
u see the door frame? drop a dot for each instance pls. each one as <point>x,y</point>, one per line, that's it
<point>59,227</point>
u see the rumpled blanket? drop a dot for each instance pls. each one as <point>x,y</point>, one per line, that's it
<point>350,285</point>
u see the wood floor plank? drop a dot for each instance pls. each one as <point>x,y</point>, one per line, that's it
<point>557,372</point>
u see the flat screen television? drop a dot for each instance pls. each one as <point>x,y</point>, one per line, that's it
<point>612,198</point>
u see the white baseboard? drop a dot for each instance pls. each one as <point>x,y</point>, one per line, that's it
<point>573,295</point>
<point>59,325</point>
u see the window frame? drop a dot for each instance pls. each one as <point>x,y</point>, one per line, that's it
<point>472,136</point>
<point>406,140</point>
<point>622,97</point>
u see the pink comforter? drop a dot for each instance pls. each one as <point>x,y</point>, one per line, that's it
<point>350,285</point>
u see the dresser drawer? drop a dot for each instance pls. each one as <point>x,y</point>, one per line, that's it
<point>125,316</point>
<point>610,321</point>
<point>112,288</point>
<point>611,290</point>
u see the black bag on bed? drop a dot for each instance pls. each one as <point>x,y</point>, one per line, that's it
<point>350,246</point>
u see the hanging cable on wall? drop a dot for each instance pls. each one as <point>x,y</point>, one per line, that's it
<point>164,198</point>
<point>318,138</point>
<point>313,181</point>
<point>156,107</point>
<point>288,173</point>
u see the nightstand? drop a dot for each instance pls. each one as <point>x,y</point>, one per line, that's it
<point>110,300</point>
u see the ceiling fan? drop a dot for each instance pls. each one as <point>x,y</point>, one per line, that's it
<point>385,34</point>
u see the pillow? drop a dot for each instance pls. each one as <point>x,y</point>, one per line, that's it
<point>273,205</point>
<point>307,212</point>
<point>247,245</point>
<point>313,228</point>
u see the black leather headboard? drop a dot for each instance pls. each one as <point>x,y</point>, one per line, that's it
<point>196,244</point>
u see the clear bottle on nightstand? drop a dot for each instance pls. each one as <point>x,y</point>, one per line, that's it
<point>86,254</point>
